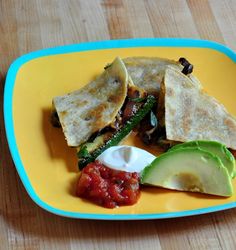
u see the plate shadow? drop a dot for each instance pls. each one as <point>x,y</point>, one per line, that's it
<point>56,143</point>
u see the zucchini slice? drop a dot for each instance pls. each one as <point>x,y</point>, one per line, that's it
<point>118,135</point>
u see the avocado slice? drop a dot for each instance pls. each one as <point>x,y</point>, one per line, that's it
<point>189,169</point>
<point>215,148</point>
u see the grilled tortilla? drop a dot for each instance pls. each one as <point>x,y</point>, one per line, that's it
<point>191,114</point>
<point>93,107</point>
<point>148,72</point>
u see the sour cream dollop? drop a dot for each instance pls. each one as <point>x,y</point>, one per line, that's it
<point>126,158</point>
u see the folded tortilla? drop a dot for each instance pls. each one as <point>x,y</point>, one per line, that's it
<point>191,114</point>
<point>148,72</point>
<point>93,107</point>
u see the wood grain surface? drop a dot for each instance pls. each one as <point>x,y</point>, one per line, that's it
<point>27,25</point>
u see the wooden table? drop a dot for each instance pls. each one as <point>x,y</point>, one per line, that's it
<point>27,25</point>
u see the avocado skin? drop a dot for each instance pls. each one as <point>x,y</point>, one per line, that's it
<point>222,185</point>
<point>213,147</point>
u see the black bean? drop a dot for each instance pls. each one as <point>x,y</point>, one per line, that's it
<point>188,67</point>
<point>183,61</point>
<point>146,138</point>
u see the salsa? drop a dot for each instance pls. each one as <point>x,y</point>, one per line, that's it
<point>107,187</point>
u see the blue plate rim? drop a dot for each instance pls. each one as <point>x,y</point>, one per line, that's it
<point>107,44</point>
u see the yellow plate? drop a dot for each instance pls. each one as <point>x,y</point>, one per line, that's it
<point>48,168</point>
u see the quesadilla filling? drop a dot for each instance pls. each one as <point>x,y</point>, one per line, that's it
<point>149,74</point>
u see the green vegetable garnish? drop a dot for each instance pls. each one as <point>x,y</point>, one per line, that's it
<point>138,99</point>
<point>120,134</point>
<point>83,152</point>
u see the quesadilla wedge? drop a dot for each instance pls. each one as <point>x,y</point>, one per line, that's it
<point>191,114</point>
<point>148,72</point>
<point>91,115</point>
<point>93,107</point>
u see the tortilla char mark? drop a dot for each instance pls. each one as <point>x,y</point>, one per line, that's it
<point>113,98</point>
<point>82,103</point>
<point>97,115</point>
